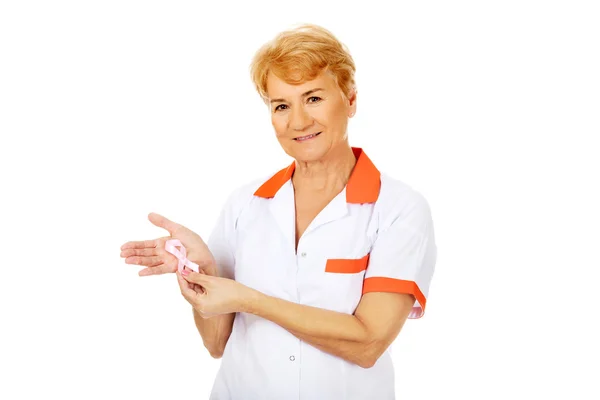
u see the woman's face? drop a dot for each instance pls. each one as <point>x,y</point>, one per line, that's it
<point>316,108</point>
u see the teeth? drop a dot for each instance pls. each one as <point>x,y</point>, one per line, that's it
<point>306,137</point>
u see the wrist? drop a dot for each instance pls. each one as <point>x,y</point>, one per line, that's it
<point>211,270</point>
<point>252,301</point>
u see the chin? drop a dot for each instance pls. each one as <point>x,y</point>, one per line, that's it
<point>306,153</point>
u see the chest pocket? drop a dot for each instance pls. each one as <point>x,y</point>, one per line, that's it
<point>342,283</point>
<point>344,257</point>
<point>346,265</point>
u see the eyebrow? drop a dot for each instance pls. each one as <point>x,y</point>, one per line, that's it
<point>311,91</point>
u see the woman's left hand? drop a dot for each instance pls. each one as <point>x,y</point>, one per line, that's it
<point>212,295</point>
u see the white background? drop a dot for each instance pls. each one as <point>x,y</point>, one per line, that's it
<point>111,110</point>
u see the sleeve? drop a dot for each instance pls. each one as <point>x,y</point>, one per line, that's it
<point>221,241</point>
<point>403,256</point>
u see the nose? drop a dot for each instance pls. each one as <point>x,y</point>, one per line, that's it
<point>300,119</point>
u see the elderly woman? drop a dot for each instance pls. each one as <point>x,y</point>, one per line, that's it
<point>309,274</point>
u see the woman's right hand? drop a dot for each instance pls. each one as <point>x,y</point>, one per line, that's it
<point>152,254</point>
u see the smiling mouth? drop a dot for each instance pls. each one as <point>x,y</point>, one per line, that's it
<point>307,137</point>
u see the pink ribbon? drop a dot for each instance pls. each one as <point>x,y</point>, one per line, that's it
<point>171,247</point>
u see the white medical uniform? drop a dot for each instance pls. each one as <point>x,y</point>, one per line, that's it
<point>375,236</point>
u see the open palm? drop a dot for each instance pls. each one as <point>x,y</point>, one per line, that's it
<point>152,254</point>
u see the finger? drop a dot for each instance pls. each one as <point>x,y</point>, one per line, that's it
<point>142,244</point>
<point>163,222</point>
<point>196,288</point>
<point>158,270</point>
<point>146,252</point>
<point>201,279</point>
<point>145,261</point>
<point>187,292</point>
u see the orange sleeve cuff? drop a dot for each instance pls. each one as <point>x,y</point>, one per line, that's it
<point>381,284</point>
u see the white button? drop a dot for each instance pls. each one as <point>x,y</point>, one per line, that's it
<point>292,358</point>
<point>303,254</point>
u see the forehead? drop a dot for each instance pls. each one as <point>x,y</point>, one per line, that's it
<point>278,88</point>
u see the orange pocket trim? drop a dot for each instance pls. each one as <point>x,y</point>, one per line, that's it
<point>347,265</point>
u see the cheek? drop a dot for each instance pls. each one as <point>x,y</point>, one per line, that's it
<point>329,116</point>
<point>279,124</point>
<point>340,116</point>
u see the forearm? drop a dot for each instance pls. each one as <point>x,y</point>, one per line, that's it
<point>215,331</point>
<point>340,334</point>
<point>360,353</point>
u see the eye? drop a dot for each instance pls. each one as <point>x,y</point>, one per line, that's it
<point>278,107</point>
<point>316,99</point>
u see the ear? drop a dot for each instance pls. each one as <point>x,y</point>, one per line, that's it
<point>352,102</point>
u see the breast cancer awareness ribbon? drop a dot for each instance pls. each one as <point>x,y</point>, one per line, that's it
<point>172,247</point>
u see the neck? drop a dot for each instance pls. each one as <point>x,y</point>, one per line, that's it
<point>330,174</point>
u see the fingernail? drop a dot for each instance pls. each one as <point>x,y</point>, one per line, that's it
<point>185,272</point>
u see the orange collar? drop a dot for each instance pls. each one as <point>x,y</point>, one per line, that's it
<point>363,185</point>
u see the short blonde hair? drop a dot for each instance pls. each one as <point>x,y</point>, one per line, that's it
<point>301,54</point>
